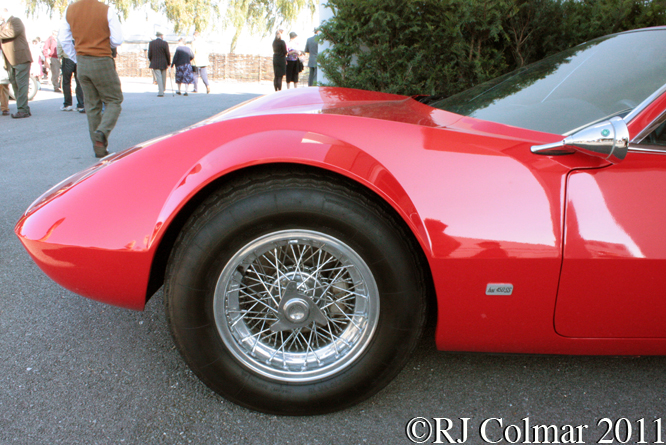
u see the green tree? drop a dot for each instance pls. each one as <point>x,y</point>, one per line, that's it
<point>414,47</point>
<point>445,46</point>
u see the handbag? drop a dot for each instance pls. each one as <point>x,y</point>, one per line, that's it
<point>299,65</point>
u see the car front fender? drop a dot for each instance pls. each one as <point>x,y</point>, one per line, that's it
<point>97,233</point>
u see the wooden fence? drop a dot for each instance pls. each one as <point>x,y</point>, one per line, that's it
<point>238,67</point>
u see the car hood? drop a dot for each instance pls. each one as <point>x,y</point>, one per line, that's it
<point>341,101</point>
<point>366,104</point>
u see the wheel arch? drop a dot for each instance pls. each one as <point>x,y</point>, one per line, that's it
<point>167,241</point>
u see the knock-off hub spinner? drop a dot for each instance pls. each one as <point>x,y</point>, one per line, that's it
<point>297,310</point>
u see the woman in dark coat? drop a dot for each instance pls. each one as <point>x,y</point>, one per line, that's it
<point>182,61</point>
<point>292,60</point>
<point>279,60</point>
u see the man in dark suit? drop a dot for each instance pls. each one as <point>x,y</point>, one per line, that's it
<point>18,59</point>
<point>159,56</point>
<point>312,48</point>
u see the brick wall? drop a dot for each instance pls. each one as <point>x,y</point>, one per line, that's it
<point>238,67</point>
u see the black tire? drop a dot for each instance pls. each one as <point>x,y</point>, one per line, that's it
<point>33,87</point>
<point>212,293</point>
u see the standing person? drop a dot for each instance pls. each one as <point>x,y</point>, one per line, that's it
<point>89,32</point>
<point>159,56</point>
<point>38,58</point>
<point>16,50</point>
<point>68,67</point>
<point>50,51</point>
<point>182,61</point>
<point>36,54</point>
<point>312,48</point>
<point>4,87</point>
<point>292,60</point>
<point>279,59</point>
<point>200,61</point>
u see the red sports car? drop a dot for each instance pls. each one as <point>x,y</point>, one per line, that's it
<point>304,238</point>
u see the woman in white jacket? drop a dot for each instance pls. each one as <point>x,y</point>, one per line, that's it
<point>200,61</point>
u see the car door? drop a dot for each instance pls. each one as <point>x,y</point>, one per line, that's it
<point>613,280</point>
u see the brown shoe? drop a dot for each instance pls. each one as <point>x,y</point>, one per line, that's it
<point>5,113</point>
<point>100,149</point>
<point>21,114</point>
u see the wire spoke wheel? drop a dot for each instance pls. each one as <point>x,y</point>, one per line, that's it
<point>296,305</point>
<point>274,289</point>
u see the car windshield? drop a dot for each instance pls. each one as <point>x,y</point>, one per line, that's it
<point>600,79</point>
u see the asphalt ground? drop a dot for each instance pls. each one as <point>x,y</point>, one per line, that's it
<point>74,371</point>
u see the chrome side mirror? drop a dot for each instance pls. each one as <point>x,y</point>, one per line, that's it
<point>608,140</point>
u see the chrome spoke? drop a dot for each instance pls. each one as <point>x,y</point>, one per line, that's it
<point>263,284</point>
<point>258,300</point>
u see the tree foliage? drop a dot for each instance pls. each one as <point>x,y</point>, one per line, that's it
<point>446,46</point>
<point>263,16</point>
<point>186,15</point>
<point>258,16</point>
<point>59,6</point>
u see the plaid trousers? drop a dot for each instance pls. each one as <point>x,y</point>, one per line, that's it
<point>101,86</point>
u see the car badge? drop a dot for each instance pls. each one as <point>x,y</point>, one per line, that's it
<point>499,289</point>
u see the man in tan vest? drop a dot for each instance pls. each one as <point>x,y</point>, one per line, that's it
<point>16,50</point>
<point>89,32</point>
